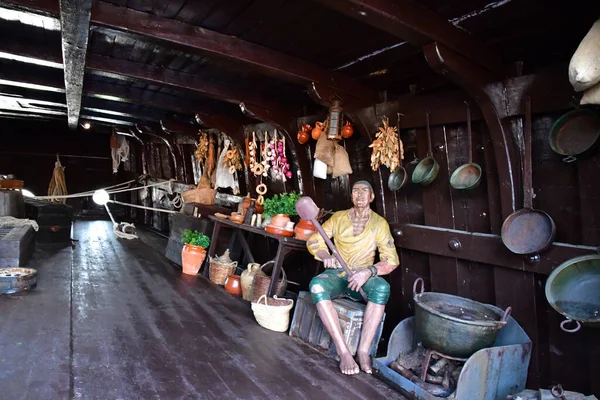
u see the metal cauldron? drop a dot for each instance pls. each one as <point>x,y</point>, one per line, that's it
<point>454,325</point>
<point>573,289</point>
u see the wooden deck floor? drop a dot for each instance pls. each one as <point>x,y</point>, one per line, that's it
<point>112,319</point>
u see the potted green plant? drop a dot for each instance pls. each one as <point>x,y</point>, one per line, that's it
<point>280,208</point>
<point>194,250</point>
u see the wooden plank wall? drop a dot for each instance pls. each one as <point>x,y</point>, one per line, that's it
<point>567,191</point>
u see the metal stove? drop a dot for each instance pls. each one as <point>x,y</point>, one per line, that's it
<point>490,374</point>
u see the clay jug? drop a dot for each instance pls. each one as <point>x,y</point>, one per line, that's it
<point>247,279</point>
<point>280,220</point>
<point>304,229</point>
<point>192,258</point>
<point>232,285</point>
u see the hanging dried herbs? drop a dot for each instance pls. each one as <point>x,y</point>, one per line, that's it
<point>202,149</point>
<point>387,149</point>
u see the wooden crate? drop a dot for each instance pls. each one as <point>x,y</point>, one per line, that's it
<point>55,221</point>
<point>16,245</point>
<point>307,326</point>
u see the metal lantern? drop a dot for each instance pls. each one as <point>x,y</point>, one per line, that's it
<point>334,129</point>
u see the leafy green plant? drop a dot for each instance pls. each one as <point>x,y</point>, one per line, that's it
<point>195,238</point>
<point>284,203</point>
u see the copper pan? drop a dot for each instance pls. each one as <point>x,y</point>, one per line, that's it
<point>528,231</point>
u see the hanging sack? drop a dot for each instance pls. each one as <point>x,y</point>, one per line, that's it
<point>341,166</point>
<point>584,68</point>
<point>325,150</point>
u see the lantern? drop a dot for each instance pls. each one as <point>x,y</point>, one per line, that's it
<point>334,128</point>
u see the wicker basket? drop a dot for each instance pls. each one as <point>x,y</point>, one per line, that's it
<point>261,282</point>
<point>219,272</point>
<point>274,314</point>
<point>204,196</point>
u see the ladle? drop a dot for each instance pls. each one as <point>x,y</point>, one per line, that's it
<point>427,169</point>
<point>397,178</point>
<point>468,175</point>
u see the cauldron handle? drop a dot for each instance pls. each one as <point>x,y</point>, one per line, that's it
<point>566,321</point>
<point>417,281</point>
<point>504,319</point>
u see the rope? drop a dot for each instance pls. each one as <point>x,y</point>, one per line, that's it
<point>177,202</point>
<point>90,193</point>
<point>121,229</point>
<point>143,207</point>
<point>58,186</point>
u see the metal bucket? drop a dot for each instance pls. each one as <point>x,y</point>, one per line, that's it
<point>454,325</point>
<point>573,289</point>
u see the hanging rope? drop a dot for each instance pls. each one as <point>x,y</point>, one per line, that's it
<point>91,192</point>
<point>58,185</point>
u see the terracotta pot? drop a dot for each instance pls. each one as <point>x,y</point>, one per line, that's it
<point>192,258</point>
<point>304,229</point>
<point>247,279</point>
<point>280,220</point>
<point>347,130</point>
<point>233,285</point>
<point>303,137</point>
<point>258,209</point>
<point>317,130</point>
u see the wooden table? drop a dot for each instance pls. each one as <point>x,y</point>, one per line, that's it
<point>285,245</point>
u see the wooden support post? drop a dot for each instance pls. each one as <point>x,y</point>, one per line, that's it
<point>75,27</point>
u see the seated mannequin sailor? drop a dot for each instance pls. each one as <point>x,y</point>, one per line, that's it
<point>357,234</point>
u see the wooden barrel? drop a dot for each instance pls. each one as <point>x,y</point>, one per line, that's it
<point>11,203</point>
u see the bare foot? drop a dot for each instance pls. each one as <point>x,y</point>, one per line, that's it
<point>365,362</point>
<point>348,366</point>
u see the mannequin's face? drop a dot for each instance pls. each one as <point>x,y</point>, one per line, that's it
<point>362,196</point>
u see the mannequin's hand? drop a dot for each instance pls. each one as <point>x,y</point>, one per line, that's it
<point>358,279</point>
<point>329,261</point>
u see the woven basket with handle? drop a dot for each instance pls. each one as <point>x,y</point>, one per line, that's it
<point>262,281</point>
<point>273,313</point>
<point>219,272</point>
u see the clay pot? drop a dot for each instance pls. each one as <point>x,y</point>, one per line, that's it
<point>304,229</point>
<point>192,258</point>
<point>347,130</point>
<point>303,137</point>
<point>280,220</point>
<point>258,209</point>
<point>237,218</point>
<point>233,285</point>
<point>247,279</point>
<point>317,130</point>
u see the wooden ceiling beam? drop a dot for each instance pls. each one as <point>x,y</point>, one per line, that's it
<point>116,68</point>
<point>415,23</point>
<point>194,39</point>
<point>19,78</point>
<point>124,69</point>
<point>75,28</point>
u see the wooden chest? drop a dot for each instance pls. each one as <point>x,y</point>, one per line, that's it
<point>16,245</point>
<point>54,219</point>
<point>307,326</point>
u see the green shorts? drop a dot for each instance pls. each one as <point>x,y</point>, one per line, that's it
<point>376,288</point>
